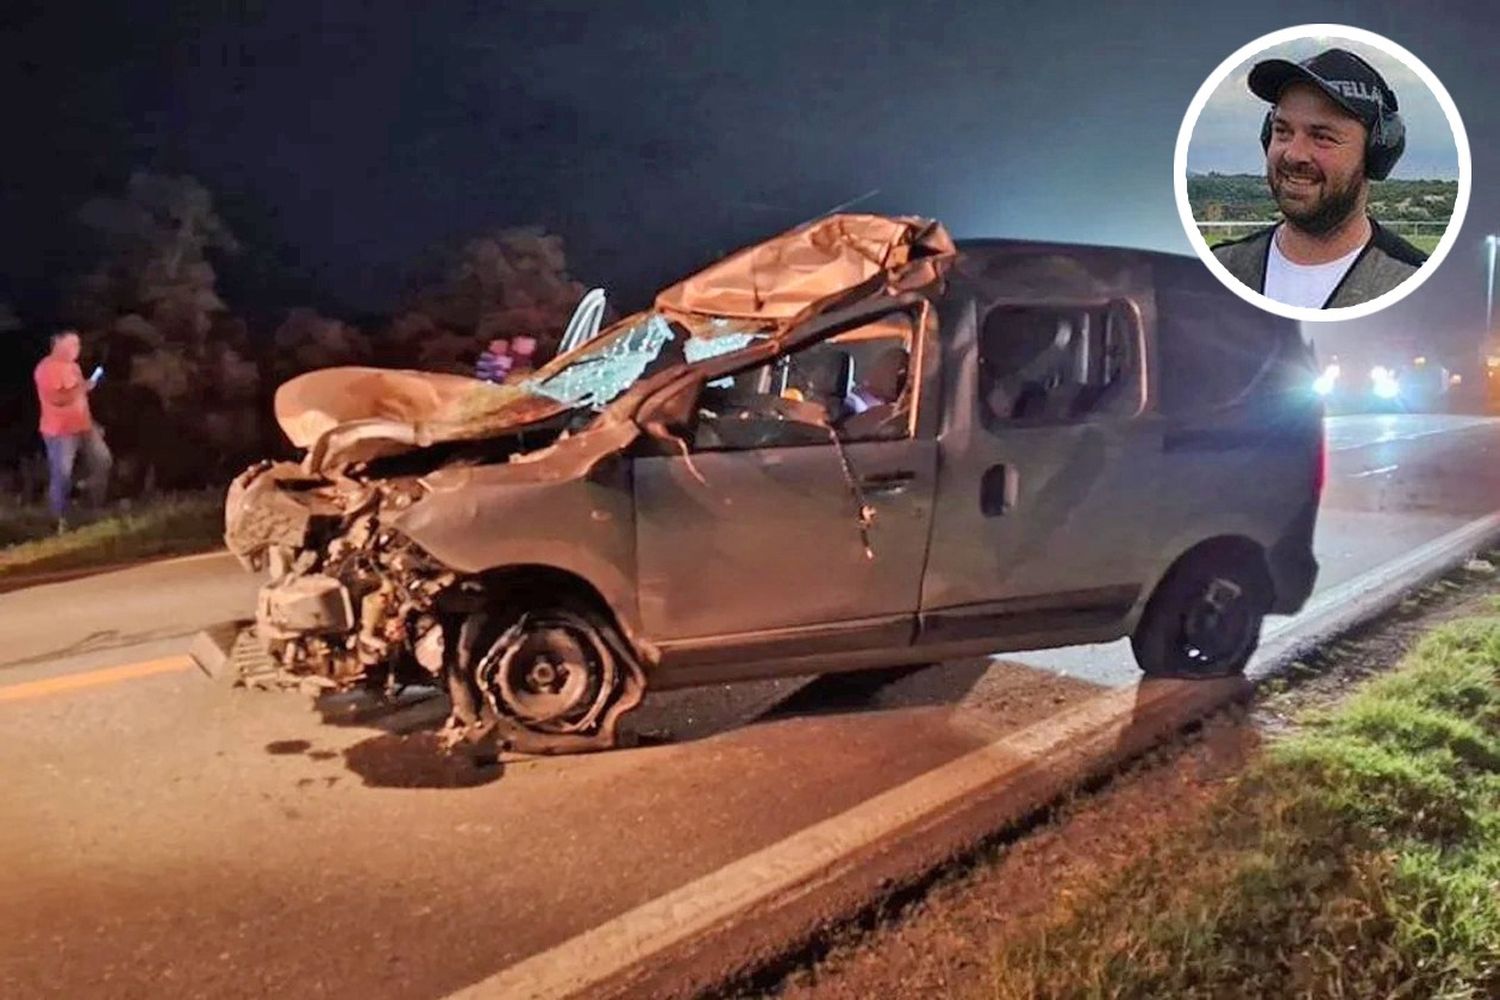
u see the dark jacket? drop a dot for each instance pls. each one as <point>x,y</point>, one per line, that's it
<point>1385,262</point>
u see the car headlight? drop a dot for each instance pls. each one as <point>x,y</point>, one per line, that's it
<point>1383,383</point>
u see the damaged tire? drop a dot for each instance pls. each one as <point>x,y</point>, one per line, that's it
<point>552,679</point>
<point>1204,619</point>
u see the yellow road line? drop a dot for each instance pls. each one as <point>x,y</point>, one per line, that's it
<point>93,678</point>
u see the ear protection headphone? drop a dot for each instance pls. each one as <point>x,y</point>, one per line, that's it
<point>1386,140</point>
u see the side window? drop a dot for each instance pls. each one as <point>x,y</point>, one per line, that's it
<point>857,386</point>
<point>752,409</point>
<point>1059,363</point>
<point>1212,348</point>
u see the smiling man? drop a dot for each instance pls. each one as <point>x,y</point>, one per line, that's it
<point>1332,128</point>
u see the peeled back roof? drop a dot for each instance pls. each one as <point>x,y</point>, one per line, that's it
<point>789,275</point>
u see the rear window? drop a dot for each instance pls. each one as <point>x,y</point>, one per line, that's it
<point>1059,362</point>
<point>1214,349</point>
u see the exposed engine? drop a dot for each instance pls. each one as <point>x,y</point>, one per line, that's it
<point>347,601</point>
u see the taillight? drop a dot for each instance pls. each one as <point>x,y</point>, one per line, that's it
<point>1320,473</point>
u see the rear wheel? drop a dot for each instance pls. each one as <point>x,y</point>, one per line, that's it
<point>549,680</point>
<point>1204,619</point>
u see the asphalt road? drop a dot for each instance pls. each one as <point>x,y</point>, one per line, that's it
<point>163,836</point>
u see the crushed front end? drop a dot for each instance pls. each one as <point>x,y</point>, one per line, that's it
<point>348,601</point>
<point>480,539</point>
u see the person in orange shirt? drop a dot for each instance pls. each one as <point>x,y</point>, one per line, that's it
<point>68,427</point>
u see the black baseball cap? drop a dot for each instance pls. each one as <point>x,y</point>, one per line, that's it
<point>1347,79</point>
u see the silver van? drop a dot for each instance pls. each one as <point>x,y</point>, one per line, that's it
<point>856,445</point>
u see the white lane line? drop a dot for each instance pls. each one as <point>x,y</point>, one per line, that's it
<point>1390,438</point>
<point>1375,472</point>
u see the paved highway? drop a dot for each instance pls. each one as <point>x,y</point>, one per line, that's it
<point>163,836</point>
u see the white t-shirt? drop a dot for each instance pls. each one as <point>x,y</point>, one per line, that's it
<point>1304,284</point>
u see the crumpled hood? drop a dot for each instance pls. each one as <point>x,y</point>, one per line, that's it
<point>789,276</point>
<point>352,414</point>
<point>310,405</point>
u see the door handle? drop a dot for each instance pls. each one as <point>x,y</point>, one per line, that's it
<point>887,482</point>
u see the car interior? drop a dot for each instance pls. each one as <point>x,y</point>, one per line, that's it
<point>856,384</point>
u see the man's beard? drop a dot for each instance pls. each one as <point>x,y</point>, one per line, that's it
<point>1320,217</point>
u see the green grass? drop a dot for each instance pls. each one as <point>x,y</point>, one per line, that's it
<point>1359,857</point>
<point>1425,242</point>
<point>169,525</point>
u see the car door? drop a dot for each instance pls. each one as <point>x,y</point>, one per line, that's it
<point>1048,477</point>
<point>755,541</point>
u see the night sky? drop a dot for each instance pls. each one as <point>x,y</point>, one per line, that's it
<point>342,139</point>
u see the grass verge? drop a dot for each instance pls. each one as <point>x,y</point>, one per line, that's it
<point>168,525</point>
<point>1358,857</point>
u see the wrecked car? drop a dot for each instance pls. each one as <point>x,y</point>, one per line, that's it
<point>856,445</point>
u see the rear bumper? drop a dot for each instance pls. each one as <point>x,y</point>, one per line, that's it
<point>1292,565</point>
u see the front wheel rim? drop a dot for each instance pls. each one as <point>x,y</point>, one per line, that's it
<point>555,676</point>
<point>1218,626</point>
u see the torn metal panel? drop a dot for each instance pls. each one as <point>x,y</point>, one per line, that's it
<point>431,404</point>
<point>273,506</point>
<point>348,416</point>
<point>812,267</point>
<point>523,514</point>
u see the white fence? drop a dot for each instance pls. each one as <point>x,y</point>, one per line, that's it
<point>1396,226</point>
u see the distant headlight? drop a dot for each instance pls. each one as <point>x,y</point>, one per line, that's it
<point>1324,383</point>
<point>1386,388</point>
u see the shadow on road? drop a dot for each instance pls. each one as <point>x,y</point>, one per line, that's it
<point>914,686</point>
<point>686,716</point>
<point>407,754</point>
<point>417,760</point>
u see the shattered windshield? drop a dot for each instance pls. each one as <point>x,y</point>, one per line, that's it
<point>601,371</point>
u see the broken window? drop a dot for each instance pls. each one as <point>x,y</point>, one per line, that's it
<point>613,364</point>
<point>856,385</point>
<point>1059,363</point>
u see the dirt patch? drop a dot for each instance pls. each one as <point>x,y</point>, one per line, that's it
<point>942,943</point>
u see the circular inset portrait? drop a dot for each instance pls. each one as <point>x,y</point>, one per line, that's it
<point>1322,172</point>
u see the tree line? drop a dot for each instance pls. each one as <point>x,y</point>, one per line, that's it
<point>1244,197</point>
<point>186,400</point>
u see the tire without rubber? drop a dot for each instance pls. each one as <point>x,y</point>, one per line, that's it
<point>494,646</point>
<point>1179,609</point>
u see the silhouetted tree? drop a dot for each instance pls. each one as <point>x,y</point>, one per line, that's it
<point>508,283</point>
<point>179,397</point>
